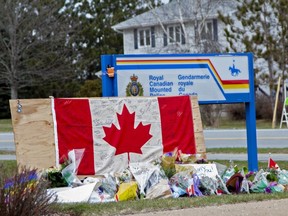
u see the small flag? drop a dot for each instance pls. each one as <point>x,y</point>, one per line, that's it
<point>190,190</point>
<point>272,164</point>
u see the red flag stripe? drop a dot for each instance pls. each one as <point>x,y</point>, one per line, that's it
<point>177,124</point>
<point>74,131</point>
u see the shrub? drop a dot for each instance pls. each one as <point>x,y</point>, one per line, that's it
<point>236,111</point>
<point>264,108</point>
<point>24,194</point>
<point>210,114</point>
<point>91,88</point>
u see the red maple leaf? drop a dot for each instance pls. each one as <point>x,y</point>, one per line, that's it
<point>127,139</point>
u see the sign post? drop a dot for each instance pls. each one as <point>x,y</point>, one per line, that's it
<point>214,78</point>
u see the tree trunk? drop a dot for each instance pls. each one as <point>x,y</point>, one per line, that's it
<point>14,92</point>
<point>271,82</point>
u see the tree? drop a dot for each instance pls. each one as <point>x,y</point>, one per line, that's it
<point>96,37</point>
<point>197,20</point>
<point>91,88</point>
<point>260,27</point>
<point>34,44</point>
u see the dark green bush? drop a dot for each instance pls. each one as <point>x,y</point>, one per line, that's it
<point>236,111</point>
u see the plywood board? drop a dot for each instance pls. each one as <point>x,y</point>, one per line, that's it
<point>198,127</point>
<point>34,132</point>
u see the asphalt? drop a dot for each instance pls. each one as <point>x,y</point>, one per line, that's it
<point>7,157</point>
<point>210,157</point>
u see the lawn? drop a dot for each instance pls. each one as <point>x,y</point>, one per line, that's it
<point>154,205</point>
<point>5,125</point>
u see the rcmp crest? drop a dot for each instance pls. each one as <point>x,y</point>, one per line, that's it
<point>134,88</point>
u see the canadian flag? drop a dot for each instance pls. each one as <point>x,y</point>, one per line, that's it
<point>272,164</point>
<point>116,131</point>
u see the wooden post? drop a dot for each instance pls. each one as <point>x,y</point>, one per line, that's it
<point>276,103</point>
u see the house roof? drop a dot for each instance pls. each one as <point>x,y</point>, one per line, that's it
<point>172,12</point>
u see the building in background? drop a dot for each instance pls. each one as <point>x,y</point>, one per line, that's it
<point>186,26</point>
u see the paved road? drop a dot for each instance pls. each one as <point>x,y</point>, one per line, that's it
<point>269,138</point>
<point>7,142</point>
<point>266,138</point>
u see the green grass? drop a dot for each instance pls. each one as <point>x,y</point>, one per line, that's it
<point>4,152</point>
<point>144,206</point>
<point>241,124</point>
<point>8,167</point>
<point>6,125</point>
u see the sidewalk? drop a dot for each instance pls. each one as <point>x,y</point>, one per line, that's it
<point>267,208</point>
<point>210,157</point>
<point>7,157</point>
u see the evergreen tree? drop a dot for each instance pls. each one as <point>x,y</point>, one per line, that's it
<point>260,27</point>
<point>95,36</point>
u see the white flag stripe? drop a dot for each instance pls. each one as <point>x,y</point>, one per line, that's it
<point>103,113</point>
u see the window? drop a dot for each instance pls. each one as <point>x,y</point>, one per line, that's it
<point>174,34</point>
<point>207,31</point>
<point>144,37</point>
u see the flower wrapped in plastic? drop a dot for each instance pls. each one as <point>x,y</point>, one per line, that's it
<point>108,185</point>
<point>159,190</point>
<point>260,182</point>
<point>55,177</point>
<point>127,191</point>
<point>188,158</point>
<point>185,183</point>
<point>221,189</point>
<point>168,162</point>
<point>196,184</point>
<point>70,171</point>
<point>181,183</point>
<point>124,176</point>
<point>234,183</point>
<point>228,173</point>
<point>142,172</point>
<point>274,187</point>
<point>283,177</point>
<point>221,168</point>
<point>208,185</point>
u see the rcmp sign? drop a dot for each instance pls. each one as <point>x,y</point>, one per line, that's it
<point>211,78</point>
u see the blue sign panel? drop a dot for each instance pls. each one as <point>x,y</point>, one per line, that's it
<point>214,78</point>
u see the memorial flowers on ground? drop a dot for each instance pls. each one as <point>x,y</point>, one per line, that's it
<point>171,176</point>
